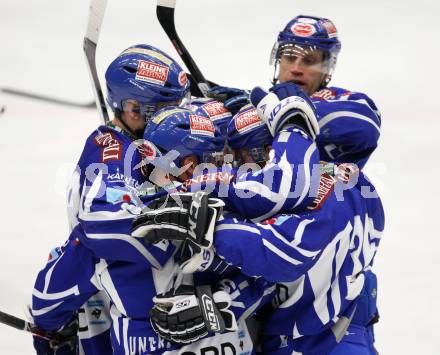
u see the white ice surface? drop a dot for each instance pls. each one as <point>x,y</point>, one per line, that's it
<point>390,51</point>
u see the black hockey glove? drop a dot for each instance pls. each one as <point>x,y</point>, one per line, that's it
<point>188,217</point>
<point>186,315</point>
<point>63,342</point>
<point>233,99</point>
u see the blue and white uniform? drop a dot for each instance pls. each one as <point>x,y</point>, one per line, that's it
<point>284,184</point>
<point>318,260</point>
<point>349,123</point>
<point>103,199</point>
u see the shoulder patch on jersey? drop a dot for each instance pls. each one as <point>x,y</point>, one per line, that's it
<point>324,94</point>
<point>115,196</point>
<point>112,147</point>
<point>326,184</point>
<point>278,220</point>
<point>54,254</point>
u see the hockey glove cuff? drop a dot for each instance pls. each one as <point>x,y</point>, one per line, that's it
<point>286,104</point>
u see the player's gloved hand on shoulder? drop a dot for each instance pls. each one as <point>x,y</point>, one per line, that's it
<point>63,342</point>
<point>186,216</point>
<point>285,104</point>
<point>233,99</point>
<point>188,314</point>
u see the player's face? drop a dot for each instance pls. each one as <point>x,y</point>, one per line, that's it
<point>133,116</point>
<point>304,67</point>
<point>252,156</point>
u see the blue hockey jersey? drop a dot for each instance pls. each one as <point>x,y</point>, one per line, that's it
<point>318,259</point>
<point>283,185</point>
<point>349,125</point>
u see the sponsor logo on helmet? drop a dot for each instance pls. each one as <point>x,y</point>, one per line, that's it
<point>201,125</point>
<point>247,120</point>
<point>152,72</point>
<point>182,78</point>
<point>303,29</point>
<point>215,110</point>
<point>330,28</point>
<point>112,147</point>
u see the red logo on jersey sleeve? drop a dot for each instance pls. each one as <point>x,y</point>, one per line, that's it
<point>112,147</point>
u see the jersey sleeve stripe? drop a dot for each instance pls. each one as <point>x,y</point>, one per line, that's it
<point>334,115</point>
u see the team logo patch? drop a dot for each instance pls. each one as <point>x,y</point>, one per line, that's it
<point>182,78</point>
<point>112,147</point>
<point>303,29</point>
<point>324,94</point>
<point>152,72</point>
<point>201,125</point>
<point>330,28</point>
<point>247,120</point>
<point>215,110</point>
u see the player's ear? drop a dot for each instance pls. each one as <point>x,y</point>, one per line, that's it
<point>267,149</point>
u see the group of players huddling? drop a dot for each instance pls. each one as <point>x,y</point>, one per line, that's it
<point>236,224</point>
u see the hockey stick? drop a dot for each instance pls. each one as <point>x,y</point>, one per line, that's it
<point>165,15</point>
<point>52,100</point>
<point>96,16</point>
<point>21,324</point>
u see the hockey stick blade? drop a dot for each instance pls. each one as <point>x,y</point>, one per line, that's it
<point>51,100</point>
<point>165,15</point>
<point>96,17</point>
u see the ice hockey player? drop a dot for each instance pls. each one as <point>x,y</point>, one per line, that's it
<point>306,53</point>
<point>315,299</point>
<point>140,81</point>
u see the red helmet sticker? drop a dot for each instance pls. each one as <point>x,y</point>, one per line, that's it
<point>303,29</point>
<point>201,125</point>
<point>147,150</point>
<point>152,72</point>
<point>330,28</point>
<point>247,120</point>
<point>182,78</point>
<point>215,110</point>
